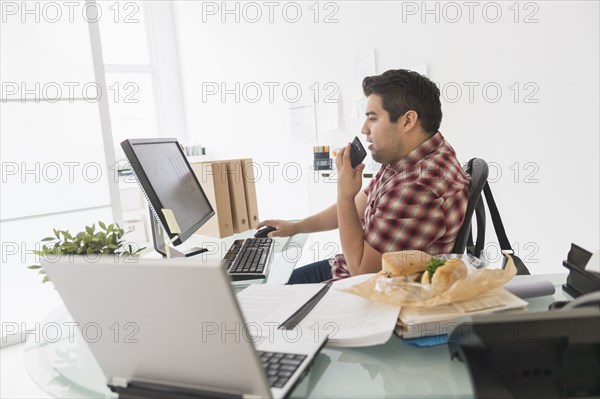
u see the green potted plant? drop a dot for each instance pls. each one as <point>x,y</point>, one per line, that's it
<point>105,241</point>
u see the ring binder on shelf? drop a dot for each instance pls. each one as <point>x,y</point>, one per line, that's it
<point>213,179</point>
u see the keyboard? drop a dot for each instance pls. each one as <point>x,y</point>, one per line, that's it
<point>248,259</point>
<point>279,366</point>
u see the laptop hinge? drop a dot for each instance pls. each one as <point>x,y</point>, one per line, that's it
<point>151,390</point>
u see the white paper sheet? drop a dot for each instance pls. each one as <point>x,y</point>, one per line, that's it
<point>349,320</point>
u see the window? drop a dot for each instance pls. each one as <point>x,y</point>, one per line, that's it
<point>137,43</point>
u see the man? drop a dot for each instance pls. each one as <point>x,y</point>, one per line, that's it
<point>418,198</point>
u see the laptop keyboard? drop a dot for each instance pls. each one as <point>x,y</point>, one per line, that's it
<point>280,366</point>
<point>248,259</point>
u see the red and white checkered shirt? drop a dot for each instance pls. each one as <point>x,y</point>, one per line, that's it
<point>418,202</point>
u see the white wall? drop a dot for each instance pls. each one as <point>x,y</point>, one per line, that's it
<point>553,200</point>
<point>53,173</point>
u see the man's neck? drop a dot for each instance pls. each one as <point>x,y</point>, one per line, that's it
<point>418,139</point>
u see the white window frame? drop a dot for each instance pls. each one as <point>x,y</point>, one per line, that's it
<point>166,79</point>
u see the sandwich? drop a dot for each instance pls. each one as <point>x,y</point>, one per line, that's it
<point>441,274</point>
<point>421,267</point>
<point>404,263</point>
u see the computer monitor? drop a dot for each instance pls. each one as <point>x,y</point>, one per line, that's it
<point>168,182</point>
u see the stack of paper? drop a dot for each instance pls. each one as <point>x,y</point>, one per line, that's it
<point>428,321</point>
<point>349,320</point>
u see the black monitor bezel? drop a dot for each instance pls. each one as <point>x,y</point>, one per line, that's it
<point>153,200</point>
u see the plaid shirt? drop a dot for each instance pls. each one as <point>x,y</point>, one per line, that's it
<point>418,202</point>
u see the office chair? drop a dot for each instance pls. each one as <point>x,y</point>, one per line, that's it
<point>478,169</point>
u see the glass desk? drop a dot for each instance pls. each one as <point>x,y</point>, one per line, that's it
<point>67,369</point>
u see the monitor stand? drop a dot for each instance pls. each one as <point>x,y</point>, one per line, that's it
<point>158,237</point>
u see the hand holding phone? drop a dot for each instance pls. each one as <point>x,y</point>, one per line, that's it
<point>357,153</point>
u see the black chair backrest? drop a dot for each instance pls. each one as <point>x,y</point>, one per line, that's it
<point>478,169</point>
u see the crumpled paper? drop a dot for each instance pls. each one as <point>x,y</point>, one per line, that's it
<point>401,291</point>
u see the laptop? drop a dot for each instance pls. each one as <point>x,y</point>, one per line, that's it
<point>173,327</point>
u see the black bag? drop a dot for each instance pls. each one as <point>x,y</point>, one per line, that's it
<point>475,249</point>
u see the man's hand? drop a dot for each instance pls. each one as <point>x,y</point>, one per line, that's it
<point>284,228</point>
<point>349,180</point>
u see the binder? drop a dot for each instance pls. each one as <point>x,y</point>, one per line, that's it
<point>213,179</point>
<point>250,188</point>
<point>237,195</point>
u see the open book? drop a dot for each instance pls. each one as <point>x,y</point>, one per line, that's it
<point>349,320</point>
<point>417,322</point>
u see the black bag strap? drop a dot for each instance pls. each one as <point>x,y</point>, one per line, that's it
<point>496,219</point>
<point>500,232</point>
<point>477,248</point>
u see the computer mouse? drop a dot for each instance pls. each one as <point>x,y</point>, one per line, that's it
<point>262,233</point>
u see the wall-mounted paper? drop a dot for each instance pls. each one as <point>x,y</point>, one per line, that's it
<point>303,125</point>
<point>331,111</point>
<point>364,66</point>
<point>361,107</point>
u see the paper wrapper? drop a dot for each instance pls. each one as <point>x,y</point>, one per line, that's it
<point>401,291</point>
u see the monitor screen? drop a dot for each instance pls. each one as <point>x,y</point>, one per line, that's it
<point>168,181</point>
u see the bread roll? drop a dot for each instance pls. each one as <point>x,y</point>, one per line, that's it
<point>447,274</point>
<point>403,263</point>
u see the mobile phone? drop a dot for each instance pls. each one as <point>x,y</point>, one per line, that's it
<point>357,153</point>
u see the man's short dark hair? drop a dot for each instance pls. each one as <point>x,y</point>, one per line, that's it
<point>402,90</point>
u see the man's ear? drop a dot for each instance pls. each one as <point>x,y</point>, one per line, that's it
<point>410,120</point>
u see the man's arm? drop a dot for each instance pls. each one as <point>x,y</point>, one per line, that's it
<point>322,221</point>
<point>360,257</point>
<point>325,220</point>
<point>352,201</point>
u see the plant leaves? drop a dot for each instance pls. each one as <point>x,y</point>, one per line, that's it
<point>86,243</point>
